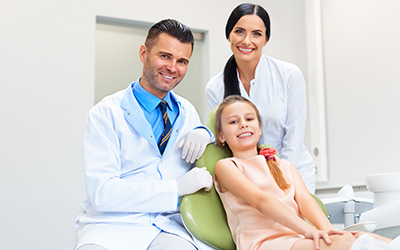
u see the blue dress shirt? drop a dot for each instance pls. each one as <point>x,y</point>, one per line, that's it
<point>149,103</point>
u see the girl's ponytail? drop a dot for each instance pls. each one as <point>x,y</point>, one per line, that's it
<point>273,165</point>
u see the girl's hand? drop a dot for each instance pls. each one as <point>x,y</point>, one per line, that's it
<point>335,232</point>
<point>316,235</point>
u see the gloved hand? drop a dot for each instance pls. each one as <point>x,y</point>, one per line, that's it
<point>370,242</point>
<point>194,180</point>
<point>194,144</point>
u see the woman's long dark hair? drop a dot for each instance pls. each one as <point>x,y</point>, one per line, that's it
<point>231,82</point>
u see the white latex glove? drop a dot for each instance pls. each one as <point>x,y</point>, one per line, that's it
<point>194,180</point>
<point>194,144</point>
<point>368,242</point>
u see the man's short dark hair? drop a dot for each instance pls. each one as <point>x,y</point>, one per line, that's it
<point>171,27</point>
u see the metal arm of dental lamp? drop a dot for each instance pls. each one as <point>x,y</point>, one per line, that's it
<point>345,208</point>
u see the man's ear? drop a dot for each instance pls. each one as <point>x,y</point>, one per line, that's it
<point>143,53</point>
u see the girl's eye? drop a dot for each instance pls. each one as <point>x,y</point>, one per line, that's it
<point>232,122</point>
<point>250,119</point>
<point>257,34</point>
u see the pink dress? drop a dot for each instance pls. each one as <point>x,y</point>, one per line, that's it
<point>250,229</point>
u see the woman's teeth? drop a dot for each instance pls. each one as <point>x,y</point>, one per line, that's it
<point>245,50</point>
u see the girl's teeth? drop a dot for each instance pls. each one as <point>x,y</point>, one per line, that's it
<point>242,135</point>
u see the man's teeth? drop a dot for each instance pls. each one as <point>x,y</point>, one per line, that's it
<point>245,50</point>
<point>245,134</point>
<point>169,77</point>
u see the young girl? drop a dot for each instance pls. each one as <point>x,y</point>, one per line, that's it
<point>265,198</point>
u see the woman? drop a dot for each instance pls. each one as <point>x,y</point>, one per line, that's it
<point>277,88</point>
<point>265,198</point>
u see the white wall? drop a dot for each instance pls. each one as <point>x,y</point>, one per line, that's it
<point>47,86</point>
<point>361,59</point>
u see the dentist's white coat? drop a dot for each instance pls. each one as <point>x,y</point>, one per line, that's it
<point>132,189</point>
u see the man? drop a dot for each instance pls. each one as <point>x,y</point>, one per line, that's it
<point>139,146</point>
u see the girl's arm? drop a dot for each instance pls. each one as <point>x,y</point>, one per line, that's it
<point>308,206</point>
<point>231,179</point>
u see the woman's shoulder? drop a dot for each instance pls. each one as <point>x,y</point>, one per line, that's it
<point>216,80</point>
<point>288,72</point>
<point>281,65</point>
<point>215,89</point>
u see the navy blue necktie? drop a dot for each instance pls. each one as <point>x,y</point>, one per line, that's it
<point>167,127</point>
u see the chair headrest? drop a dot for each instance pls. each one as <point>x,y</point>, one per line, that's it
<point>211,120</point>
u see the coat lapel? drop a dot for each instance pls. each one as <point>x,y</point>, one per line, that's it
<point>134,116</point>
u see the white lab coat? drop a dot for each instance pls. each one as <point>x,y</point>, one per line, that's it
<point>279,92</point>
<point>132,189</point>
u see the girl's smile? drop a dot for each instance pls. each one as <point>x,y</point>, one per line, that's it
<point>240,128</point>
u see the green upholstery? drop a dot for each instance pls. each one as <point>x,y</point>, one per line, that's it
<point>321,204</point>
<point>202,212</point>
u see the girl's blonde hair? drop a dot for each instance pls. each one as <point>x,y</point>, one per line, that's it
<point>276,172</point>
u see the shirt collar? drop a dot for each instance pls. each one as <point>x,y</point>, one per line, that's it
<point>259,69</point>
<point>149,101</point>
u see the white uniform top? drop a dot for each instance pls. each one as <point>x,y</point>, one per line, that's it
<point>278,91</point>
<point>132,189</point>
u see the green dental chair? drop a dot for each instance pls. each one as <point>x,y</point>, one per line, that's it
<point>203,213</point>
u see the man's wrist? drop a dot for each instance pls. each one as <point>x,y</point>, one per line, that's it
<point>212,138</point>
